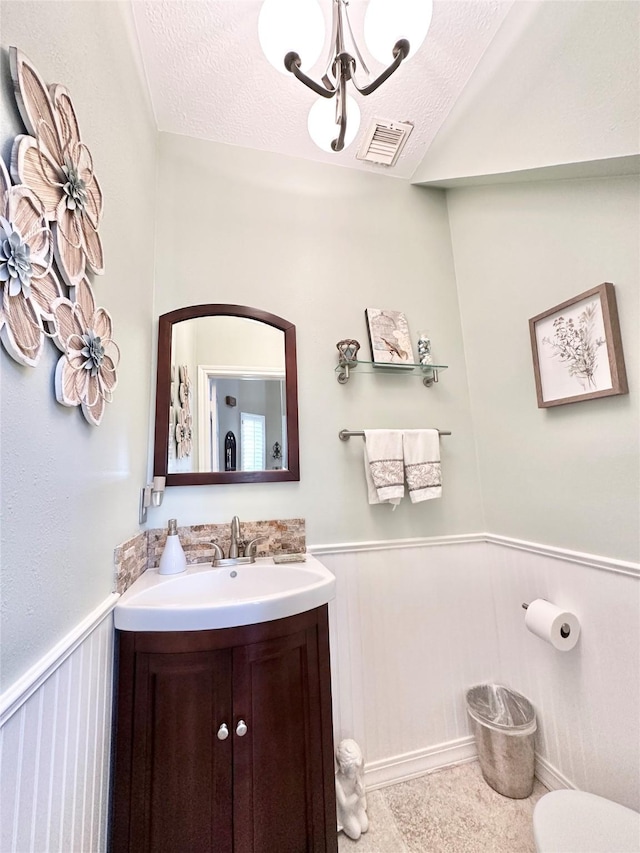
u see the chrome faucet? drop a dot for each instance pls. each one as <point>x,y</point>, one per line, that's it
<point>240,551</point>
<point>234,549</point>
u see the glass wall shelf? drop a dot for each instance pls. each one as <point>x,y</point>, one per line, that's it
<point>428,372</point>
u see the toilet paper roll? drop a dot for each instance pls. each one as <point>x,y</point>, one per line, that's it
<point>558,627</point>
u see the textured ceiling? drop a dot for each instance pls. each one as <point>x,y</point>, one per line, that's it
<point>209,79</point>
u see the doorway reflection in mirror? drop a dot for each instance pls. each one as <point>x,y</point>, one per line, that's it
<point>239,365</point>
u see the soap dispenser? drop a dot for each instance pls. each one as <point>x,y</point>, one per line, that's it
<point>173,559</point>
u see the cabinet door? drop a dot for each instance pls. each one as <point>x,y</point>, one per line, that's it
<point>181,774</point>
<point>278,764</point>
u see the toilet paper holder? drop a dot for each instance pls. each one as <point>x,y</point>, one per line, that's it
<point>565,629</point>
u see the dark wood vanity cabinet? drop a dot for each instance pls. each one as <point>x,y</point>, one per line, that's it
<point>180,785</point>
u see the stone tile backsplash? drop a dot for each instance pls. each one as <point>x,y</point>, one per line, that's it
<point>130,560</point>
<point>286,536</point>
<point>283,536</point>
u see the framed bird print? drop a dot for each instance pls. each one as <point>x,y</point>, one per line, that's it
<point>389,337</point>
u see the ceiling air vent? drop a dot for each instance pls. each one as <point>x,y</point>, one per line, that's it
<point>384,141</point>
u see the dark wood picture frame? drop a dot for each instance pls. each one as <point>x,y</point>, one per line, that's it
<point>560,358</point>
<point>163,398</point>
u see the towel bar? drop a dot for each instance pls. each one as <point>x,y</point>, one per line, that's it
<point>345,434</point>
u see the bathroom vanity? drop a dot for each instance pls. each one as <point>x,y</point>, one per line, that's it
<point>223,737</point>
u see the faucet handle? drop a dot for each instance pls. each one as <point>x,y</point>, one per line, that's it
<point>218,553</point>
<point>250,550</point>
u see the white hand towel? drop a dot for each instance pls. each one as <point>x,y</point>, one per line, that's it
<point>422,463</point>
<point>383,465</point>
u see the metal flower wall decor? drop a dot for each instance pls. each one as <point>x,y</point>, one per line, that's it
<point>29,284</point>
<point>86,372</point>
<point>52,212</point>
<point>56,164</point>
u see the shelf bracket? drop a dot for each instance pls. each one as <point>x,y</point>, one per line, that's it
<point>430,378</point>
<point>343,376</point>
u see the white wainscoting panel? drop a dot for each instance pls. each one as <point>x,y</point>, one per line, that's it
<point>55,751</point>
<point>587,699</point>
<point>413,627</point>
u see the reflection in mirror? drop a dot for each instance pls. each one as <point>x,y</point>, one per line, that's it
<point>226,405</point>
<point>237,401</point>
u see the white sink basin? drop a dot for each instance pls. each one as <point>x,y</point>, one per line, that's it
<point>203,597</point>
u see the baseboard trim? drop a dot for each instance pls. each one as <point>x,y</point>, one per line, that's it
<point>550,776</point>
<point>411,765</point>
<point>15,696</point>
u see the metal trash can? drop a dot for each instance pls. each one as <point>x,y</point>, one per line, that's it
<point>504,725</point>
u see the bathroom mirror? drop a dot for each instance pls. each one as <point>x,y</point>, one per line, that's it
<point>226,397</point>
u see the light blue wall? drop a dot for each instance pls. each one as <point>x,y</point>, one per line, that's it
<point>69,491</point>
<point>568,475</point>
<point>317,245</point>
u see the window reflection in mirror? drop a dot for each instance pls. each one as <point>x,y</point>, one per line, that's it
<point>228,396</point>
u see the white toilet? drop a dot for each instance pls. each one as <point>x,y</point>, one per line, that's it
<point>578,822</point>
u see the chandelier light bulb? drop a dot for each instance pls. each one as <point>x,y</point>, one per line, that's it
<point>291,25</point>
<point>322,122</point>
<point>387,21</point>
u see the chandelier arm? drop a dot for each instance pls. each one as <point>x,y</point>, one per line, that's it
<point>359,58</point>
<point>338,144</point>
<point>400,52</point>
<point>328,82</point>
<point>334,43</point>
<point>345,65</point>
<point>292,63</point>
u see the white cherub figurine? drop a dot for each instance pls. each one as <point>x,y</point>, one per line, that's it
<point>350,795</point>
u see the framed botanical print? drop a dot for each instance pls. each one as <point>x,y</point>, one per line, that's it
<point>577,349</point>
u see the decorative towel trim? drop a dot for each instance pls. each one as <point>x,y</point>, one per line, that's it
<point>387,473</point>
<point>424,480</point>
<point>423,475</point>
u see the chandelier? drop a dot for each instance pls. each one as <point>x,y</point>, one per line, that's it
<point>393,29</point>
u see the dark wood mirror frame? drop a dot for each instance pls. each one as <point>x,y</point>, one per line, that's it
<point>163,396</point>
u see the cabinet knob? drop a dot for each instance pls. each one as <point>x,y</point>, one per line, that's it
<point>241,728</point>
<point>223,732</point>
